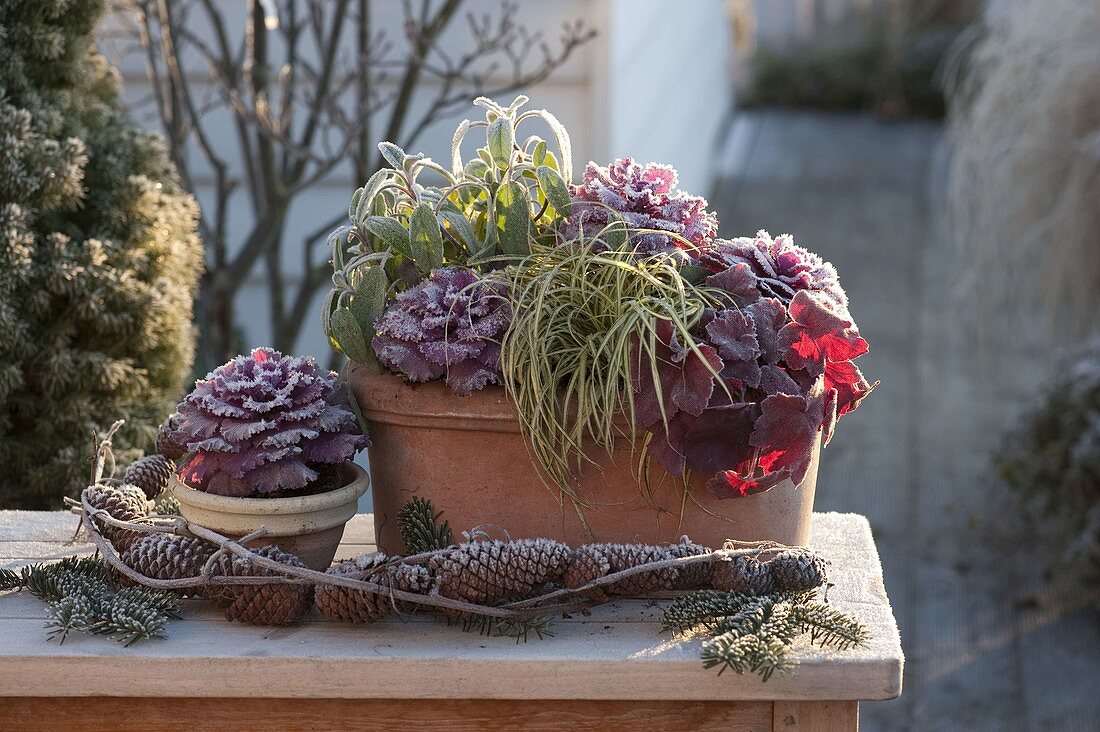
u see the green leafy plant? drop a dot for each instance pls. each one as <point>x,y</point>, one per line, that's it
<point>479,213</point>
<point>754,633</point>
<point>99,258</point>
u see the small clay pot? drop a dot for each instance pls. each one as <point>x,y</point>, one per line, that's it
<point>310,527</point>
<point>467,455</point>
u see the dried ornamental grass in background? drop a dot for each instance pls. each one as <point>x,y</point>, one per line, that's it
<point>1024,174</point>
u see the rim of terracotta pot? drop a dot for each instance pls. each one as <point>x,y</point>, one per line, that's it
<point>392,399</point>
<point>284,516</point>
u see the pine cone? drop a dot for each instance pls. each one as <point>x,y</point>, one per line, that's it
<point>745,575</point>
<point>590,559</point>
<point>151,473</point>
<point>168,556</point>
<point>125,503</point>
<point>273,604</point>
<point>691,576</point>
<point>355,606</point>
<point>798,571</point>
<point>486,571</point>
<point>166,444</point>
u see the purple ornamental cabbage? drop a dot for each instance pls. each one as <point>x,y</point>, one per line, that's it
<point>449,326</point>
<point>645,198</point>
<point>262,424</point>
<point>781,267</point>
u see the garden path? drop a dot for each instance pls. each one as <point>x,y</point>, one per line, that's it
<point>988,646</point>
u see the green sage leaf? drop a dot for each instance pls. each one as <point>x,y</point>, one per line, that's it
<point>391,232</point>
<point>554,188</point>
<point>501,138</point>
<point>425,239</point>
<point>349,337</point>
<point>370,298</point>
<point>513,219</point>
<point>394,155</point>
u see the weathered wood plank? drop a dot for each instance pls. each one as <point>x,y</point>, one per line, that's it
<point>614,651</point>
<point>139,715</point>
<point>828,716</point>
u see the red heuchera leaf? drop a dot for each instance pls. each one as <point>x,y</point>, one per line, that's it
<point>715,439</point>
<point>733,484</point>
<point>667,445</point>
<point>768,316</point>
<point>786,430</point>
<point>686,378</point>
<point>849,383</point>
<point>818,333</point>
<point>737,280</point>
<point>829,421</point>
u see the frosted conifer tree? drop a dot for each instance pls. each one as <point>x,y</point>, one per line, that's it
<point>99,259</point>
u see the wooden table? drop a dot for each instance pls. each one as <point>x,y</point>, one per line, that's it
<point>611,669</point>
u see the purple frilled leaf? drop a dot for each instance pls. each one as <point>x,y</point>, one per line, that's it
<point>447,327</point>
<point>686,378</point>
<point>734,335</point>
<point>737,280</point>
<point>782,267</point>
<point>256,424</point>
<point>645,197</point>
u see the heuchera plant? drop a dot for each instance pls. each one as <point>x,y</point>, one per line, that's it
<point>645,198</point>
<point>264,424</point>
<point>782,346</point>
<point>447,327</point>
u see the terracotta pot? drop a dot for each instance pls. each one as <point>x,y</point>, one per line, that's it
<point>310,527</point>
<point>467,455</point>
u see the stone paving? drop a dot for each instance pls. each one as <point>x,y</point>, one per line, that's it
<point>989,646</point>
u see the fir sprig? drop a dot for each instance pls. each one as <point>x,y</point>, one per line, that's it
<point>420,527</point>
<point>519,628</point>
<point>10,580</point>
<point>84,595</point>
<point>755,633</point>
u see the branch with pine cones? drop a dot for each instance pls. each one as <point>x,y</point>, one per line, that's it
<point>500,586</point>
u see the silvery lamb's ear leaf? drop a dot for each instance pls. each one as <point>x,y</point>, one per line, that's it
<point>518,102</point>
<point>425,238</point>
<point>538,155</point>
<point>370,297</point>
<point>477,169</point>
<point>554,188</point>
<point>394,155</point>
<point>349,337</point>
<point>564,145</point>
<point>513,219</point>
<point>353,207</point>
<point>456,146</point>
<point>326,314</point>
<point>391,232</point>
<point>460,226</point>
<point>501,138</point>
<point>368,199</point>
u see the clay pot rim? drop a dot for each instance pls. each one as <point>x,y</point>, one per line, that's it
<point>352,491</point>
<point>390,398</point>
